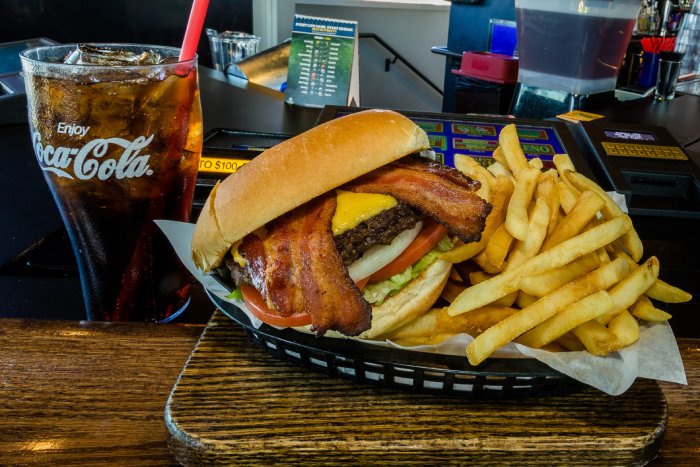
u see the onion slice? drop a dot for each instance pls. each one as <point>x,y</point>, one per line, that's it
<point>380,255</point>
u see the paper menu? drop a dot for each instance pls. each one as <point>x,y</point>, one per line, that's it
<point>323,63</point>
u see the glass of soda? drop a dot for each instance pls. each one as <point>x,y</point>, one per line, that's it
<point>117,132</point>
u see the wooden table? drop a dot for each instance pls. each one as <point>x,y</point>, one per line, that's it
<point>94,393</point>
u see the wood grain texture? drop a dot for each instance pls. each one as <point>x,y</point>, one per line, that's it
<point>681,444</point>
<point>94,394</point>
<point>87,393</point>
<point>235,403</point>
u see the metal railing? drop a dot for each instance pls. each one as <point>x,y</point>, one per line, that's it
<point>399,57</point>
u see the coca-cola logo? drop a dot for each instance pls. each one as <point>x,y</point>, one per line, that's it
<point>89,161</point>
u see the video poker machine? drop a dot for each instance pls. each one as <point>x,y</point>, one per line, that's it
<point>645,164</point>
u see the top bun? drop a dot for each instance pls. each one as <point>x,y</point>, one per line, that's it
<point>296,171</point>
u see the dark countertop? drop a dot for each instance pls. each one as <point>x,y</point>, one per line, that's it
<point>30,216</point>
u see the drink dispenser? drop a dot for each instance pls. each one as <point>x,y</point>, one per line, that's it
<point>569,52</point>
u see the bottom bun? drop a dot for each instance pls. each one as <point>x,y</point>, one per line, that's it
<point>411,302</point>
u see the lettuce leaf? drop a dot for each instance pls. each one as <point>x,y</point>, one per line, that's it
<point>377,293</point>
<point>236,294</point>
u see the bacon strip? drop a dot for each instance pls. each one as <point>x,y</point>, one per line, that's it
<point>438,191</point>
<point>305,273</point>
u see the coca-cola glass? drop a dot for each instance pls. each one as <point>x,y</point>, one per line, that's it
<point>117,131</point>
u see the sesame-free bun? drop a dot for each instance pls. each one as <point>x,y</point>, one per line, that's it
<point>296,171</point>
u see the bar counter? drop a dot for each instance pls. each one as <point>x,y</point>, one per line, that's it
<point>94,393</point>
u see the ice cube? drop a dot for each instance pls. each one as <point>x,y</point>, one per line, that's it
<point>86,54</point>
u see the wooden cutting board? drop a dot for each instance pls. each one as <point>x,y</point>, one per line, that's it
<point>236,404</point>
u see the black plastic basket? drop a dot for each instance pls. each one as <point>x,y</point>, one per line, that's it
<point>405,369</point>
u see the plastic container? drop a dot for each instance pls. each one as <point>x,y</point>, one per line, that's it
<point>575,46</point>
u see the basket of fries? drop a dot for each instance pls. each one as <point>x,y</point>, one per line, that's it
<point>558,280</point>
<point>559,258</point>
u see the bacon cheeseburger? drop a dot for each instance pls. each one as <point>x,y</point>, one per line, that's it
<point>340,227</point>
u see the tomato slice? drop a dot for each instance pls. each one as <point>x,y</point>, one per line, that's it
<point>429,236</point>
<point>258,307</point>
<point>362,283</point>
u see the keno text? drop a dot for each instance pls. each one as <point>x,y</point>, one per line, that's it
<point>89,161</point>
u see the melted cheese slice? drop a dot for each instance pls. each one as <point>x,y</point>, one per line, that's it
<point>237,257</point>
<point>354,208</point>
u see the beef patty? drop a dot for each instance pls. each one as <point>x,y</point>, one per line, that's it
<point>378,230</point>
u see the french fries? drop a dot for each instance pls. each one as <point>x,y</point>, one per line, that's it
<point>597,339</point>
<point>644,309</point>
<point>500,158</point>
<point>632,287</point>
<point>507,330</point>
<point>563,163</point>
<point>547,189</point>
<point>512,151</point>
<point>625,328</point>
<point>631,239</point>
<point>500,170</point>
<point>542,284</point>
<point>438,323</point>
<point>660,290</point>
<point>567,197</point>
<point>536,163</point>
<point>569,341</point>
<point>476,171</point>
<point>509,281</point>
<point>667,293</point>
<point>559,265</point>
<point>568,319</point>
<point>537,230</point>
<point>516,217</point>
<point>452,290</point>
<point>493,258</point>
<point>583,211</point>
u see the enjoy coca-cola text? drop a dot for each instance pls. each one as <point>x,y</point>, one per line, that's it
<point>89,161</point>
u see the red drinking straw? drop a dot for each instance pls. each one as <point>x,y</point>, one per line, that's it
<point>194,29</point>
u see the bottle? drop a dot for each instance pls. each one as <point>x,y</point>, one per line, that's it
<point>642,26</point>
<point>654,19</point>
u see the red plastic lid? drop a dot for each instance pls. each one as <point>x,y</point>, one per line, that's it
<point>489,67</point>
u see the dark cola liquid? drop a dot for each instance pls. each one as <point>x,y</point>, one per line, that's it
<point>128,269</point>
<point>118,155</point>
<point>571,45</point>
